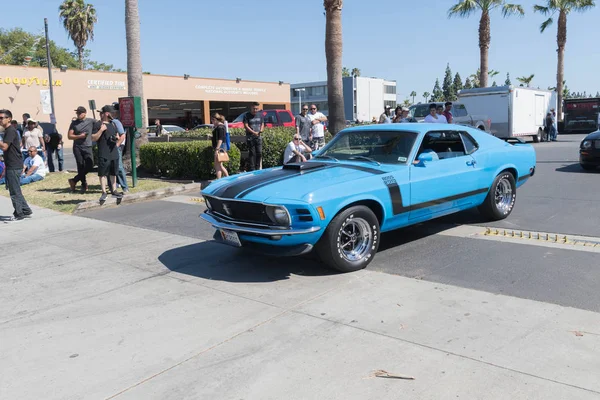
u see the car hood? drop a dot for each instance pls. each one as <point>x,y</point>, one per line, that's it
<point>294,181</point>
<point>593,136</point>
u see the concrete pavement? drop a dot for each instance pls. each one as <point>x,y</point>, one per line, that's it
<point>98,310</point>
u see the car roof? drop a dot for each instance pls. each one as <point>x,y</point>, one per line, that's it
<point>407,127</point>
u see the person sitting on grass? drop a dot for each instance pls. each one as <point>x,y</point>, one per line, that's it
<point>34,169</point>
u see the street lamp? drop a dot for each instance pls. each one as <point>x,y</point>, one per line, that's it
<point>300,99</point>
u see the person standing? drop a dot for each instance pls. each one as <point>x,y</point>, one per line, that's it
<point>254,124</point>
<point>25,116</point>
<point>435,117</point>
<point>384,118</point>
<point>303,125</point>
<point>54,144</point>
<point>107,138</point>
<point>33,136</point>
<point>318,129</point>
<point>547,128</point>
<point>121,175</point>
<point>554,128</point>
<point>397,115</point>
<point>447,113</point>
<point>219,134</point>
<point>80,132</point>
<point>14,165</point>
<point>159,127</point>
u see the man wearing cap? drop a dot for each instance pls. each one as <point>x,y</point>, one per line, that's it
<point>107,138</point>
<point>405,117</point>
<point>384,118</point>
<point>33,136</point>
<point>80,132</point>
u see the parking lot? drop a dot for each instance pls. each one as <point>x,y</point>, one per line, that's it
<point>138,302</point>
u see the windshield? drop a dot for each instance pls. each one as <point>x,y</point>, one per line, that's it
<point>388,147</point>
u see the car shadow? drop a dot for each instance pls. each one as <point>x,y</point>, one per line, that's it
<point>212,260</point>
<point>575,168</point>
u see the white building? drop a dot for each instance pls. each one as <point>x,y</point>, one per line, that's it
<point>364,98</point>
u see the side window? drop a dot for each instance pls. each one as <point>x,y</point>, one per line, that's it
<point>445,144</point>
<point>270,117</point>
<point>459,110</point>
<point>284,117</point>
<point>470,143</point>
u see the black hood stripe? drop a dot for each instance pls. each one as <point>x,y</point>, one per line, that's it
<point>239,189</point>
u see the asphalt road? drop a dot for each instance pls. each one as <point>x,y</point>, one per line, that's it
<point>560,198</point>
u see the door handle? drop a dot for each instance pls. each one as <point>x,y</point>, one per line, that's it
<point>471,163</point>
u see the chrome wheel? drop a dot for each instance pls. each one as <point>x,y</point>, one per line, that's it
<point>504,196</point>
<point>355,239</point>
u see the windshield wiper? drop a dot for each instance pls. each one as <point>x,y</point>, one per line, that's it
<point>326,156</point>
<point>364,158</point>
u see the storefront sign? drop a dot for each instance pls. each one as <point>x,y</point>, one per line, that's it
<point>130,111</point>
<point>106,85</point>
<point>231,90</point>
<point>28,81</point>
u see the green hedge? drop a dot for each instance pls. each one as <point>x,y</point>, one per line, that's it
<point>194,160</point>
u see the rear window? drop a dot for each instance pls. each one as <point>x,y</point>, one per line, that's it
<point>285,117</point>
<point>420,111</point>
<point>459,110</point>
<point>270,117</point>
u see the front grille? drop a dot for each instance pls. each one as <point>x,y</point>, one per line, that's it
<point>242,211</point>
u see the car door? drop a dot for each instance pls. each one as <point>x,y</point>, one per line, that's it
<point>451,181</point>
<point>285,118</point>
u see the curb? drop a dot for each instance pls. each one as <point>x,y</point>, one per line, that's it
<point>136,197</point>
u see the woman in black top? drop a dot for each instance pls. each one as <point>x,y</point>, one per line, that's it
<point>218,143</point>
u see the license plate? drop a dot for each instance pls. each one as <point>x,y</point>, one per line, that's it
<point>231,238</point>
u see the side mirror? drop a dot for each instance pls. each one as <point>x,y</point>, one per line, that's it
<point>424,158</point>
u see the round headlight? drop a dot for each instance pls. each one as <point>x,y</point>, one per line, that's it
<point>586,144</point>
<point>279,215</point>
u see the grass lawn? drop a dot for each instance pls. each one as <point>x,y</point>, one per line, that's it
<point>53,191</point>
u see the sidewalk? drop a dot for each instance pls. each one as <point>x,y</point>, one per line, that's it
<point>96,310</point>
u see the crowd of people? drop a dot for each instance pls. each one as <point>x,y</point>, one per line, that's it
<point>27,154</point>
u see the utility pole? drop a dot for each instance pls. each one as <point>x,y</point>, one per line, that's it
<point>49,61</point>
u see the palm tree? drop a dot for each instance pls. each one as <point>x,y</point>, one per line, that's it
<point>135,86</point>
<point>78,19</point>
<point>333,54</point>
<point>526,80</point>
<point>413,94</point>
<point>426,96</point>
<point>563,8</point>
<point>355,72</point>
<point>464,9</point>
<point>345,72</point>
<point>406,103</point>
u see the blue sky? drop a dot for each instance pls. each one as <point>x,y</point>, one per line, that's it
<point>272,40</point>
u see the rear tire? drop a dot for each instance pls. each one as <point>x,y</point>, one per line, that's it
<point>501,198</point>
<point>350,240</point>
<point>588,167</point>
<point>539,137</point>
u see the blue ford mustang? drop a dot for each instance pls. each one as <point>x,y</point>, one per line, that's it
<point>365,181</point>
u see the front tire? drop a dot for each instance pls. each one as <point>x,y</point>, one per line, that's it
<point>351,240</point>
<point>501,198</point>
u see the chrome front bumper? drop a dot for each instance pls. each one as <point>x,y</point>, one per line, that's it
<point>219,224</point>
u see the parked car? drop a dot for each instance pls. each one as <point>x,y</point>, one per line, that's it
<point>272,118</point>
<point>204,126</point>
<point>168,128</point>
<point>365,181</point>
<point>589,151</point>
<point>460,115</point>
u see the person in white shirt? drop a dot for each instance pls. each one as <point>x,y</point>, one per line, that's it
<point>318,129</point>
<point>293,151</point>
<point>33,167</point>
<point>33,136</point>
<point>434,117</point>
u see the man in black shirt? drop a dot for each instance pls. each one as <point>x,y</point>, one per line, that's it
<point>13,159</point>
<point>254,125</point>
<point>80,132</point>
<point>54,144</point>
<point>107,137</point>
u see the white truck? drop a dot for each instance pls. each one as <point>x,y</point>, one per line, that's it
<point>513,111</point>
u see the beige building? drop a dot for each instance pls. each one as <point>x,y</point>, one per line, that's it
<point>175,100</point>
